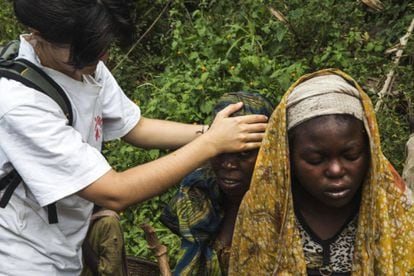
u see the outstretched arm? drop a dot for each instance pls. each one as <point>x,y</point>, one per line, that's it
<point>118,190</point>
<point>153,133</point>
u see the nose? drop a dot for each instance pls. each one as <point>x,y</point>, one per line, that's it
<point>229,161</point>
<point>335,169</point>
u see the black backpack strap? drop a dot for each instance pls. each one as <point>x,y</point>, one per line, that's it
<point>52,213</point>
<point>9,182</point>
<point>30,75</point>
<point>10,50</point>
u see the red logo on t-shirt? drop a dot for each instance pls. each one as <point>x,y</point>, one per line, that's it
<point>98,127</point>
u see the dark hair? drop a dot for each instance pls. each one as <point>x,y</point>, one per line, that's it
<point>89,26</point>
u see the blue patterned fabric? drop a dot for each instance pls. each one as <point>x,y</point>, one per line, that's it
<point>195,214</point>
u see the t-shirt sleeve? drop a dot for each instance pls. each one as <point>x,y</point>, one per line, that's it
<point>120,114</point>
<point>51,157</point>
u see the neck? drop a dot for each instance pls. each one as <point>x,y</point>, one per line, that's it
<point>231,208</point>
<point>225,234</point>
<point>316,214</point>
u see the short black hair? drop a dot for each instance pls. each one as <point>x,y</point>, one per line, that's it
<point>88,26</point>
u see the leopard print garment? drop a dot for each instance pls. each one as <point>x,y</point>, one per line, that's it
<point>332,256</point>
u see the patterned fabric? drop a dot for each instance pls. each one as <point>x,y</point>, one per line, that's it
<point>195,214</point>
<point>331,256</point>
<point>223,255</point>
<point>267,241</point>
<point>253,103</point>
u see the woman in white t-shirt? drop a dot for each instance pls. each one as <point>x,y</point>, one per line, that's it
<point>62,164</point>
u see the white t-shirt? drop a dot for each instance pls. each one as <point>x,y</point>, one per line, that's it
<point>55,161</point>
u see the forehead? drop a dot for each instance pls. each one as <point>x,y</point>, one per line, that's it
<point>323,128</point>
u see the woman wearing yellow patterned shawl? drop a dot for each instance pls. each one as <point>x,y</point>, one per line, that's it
<point>323,199</point>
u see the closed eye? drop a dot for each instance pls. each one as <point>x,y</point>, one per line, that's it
<point>352,157</point>
<point>353,154</point>
<point>312,157</point>
<point>314,161</point>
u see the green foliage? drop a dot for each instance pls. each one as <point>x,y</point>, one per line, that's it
<point>200,49</point>
<point>149,212</point>
<point>9,28</point>
<point>211,47</point>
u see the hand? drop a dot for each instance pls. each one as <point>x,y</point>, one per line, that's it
<point>235,134</point>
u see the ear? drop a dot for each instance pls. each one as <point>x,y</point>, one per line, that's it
<point>35,34</point>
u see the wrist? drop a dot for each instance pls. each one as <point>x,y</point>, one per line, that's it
<point>203,129</point>
<point>208,143</point>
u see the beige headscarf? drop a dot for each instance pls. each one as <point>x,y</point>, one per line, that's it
<point>322,95</point>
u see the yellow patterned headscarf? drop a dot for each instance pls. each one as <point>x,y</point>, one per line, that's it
<point>266,239</point>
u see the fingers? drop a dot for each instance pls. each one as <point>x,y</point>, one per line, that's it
<point>250,138</point>
<point>250,123</point>
<point>251,119</point>
<point>230,109</point>
<point>235,134</point>
<point>248,119</point>
<point>251,146</point>
<point>253,137</point>
<point>246,146</point>
<point>245,142</point>
<point>258,127</point>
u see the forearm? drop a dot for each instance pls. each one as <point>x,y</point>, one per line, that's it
<point>152,133</point>
<point>117,191</point>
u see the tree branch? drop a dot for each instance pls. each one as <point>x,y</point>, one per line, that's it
<point>158,249</point>
<point>390,76</point>
<point>142,37</point>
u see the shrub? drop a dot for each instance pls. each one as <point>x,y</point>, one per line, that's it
<point>199,49</point>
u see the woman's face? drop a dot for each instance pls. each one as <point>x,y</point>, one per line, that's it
<point>234,172</point>
<point>330,158</point>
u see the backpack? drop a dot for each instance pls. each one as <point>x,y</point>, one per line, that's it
<point>30,75</point>
<point>91,252</point>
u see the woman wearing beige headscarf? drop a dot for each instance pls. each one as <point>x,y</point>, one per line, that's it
<point>323,199</point>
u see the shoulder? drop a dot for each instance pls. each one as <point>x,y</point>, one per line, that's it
<point>14,94</point>
<point>196,205</point>
<point>202,178</point>
<point>103,75</point>
<point>200,185</point>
